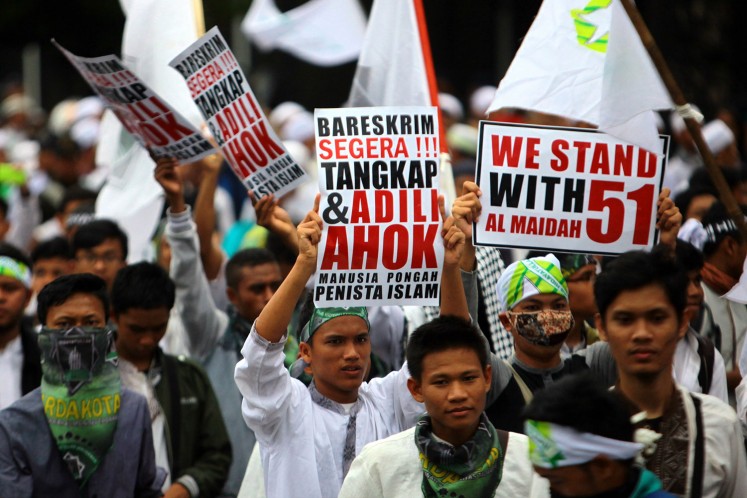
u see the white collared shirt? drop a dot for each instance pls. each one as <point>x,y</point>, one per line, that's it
<point>11,363</point>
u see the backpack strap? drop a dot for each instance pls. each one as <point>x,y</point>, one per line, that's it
<point>696,485</point>
<point>523,387</point>
<point>503,439</point>
<point>169,370</point>
<point>707,353</point>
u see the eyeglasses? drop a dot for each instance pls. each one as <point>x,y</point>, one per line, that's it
<point>260,287</point>
<point>107,258</point>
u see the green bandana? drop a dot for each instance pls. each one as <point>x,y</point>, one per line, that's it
<point>81,395</point>
<point>471,470</point>
<point>13,268</point>
<point>323,315</point>
<point>529,277</point>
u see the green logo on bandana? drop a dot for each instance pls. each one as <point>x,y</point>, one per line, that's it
<point>592,25</point>
<point>542,448</point>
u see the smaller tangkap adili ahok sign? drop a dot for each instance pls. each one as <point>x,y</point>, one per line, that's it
<point>378,178</point>
<point>235,118</point>
<point>154,124</point>
<point>566,189</point>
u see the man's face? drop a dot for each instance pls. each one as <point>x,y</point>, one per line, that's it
<point>257,285</point>
<point>14,298</point>
<point>138,333</point>
<point>80,310</point>
<point>532,304</point>
<point>576,480</point>
<point>695,294</point>
<point>104,260</point>
<point>339,353</point>
<point>642,329</point>
<point>581,292</point>
<point>46,270</point>
<point>453,387</point>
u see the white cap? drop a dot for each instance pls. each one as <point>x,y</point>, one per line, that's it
<point>18,103</point>
<point>62,117</point>
<point>463,138</point>
<point>717,135</point>
<point>451,106</point>
<point>89,107</point>
<point>282,112</point>
<point>25,153</point>
<point>481,100</point>
<point>299,127</point>
<point>86,132</point>
<point>298,151</point>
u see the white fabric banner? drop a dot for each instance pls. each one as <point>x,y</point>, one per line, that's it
<point>584,60</point>
<point>321,32</point>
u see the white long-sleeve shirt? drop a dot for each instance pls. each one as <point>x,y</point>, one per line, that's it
<point>301,442</point>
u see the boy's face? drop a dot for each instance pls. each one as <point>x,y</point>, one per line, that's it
<point>581,291</point>
<point>339,353</point>
<point>642,329</point>
<point>46,270</point>
<point>453,387</point>
<point>138,333</point>
<point>539,302</point>
<point>256,287</point>
<point>104,260</point>
<point>80,310</point>
<point>14,297</point>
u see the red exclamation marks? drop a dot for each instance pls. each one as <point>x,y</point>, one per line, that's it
<point>435,146</point>
<point>420,153</point>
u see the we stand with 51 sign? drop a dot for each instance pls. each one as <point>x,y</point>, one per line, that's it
<point>566,189</point>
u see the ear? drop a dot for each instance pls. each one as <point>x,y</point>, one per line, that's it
<point>415,389</point>
<point>304,352</point>
<point>488,373</point>
<point>231,294</point>
<point>599,324</point>
<point>503,316</point>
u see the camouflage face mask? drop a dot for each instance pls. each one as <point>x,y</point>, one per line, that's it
<point>544,328</point>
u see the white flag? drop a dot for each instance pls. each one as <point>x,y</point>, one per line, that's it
<point>321,32</point>
<point>584,60</point>
<point>155,31</point>
<point>391,68</point>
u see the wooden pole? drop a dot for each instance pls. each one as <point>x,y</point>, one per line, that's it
<point>693,126</point>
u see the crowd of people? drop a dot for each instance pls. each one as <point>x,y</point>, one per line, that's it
<point>206,370</point>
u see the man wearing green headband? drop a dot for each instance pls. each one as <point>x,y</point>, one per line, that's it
<point>308,437</point>
<point>20,368</point>
<point>79,434</point>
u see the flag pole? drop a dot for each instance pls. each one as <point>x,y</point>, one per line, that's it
<point>447,176</point>
<point>692,125</point>
<point>199,17</point>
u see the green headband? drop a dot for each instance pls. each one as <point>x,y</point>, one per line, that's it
<point>320,316</point>
<point>13,268</point>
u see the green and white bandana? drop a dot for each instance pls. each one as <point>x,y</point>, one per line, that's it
<point>529,277</point>
<point>320,316</point>
<point>81,395</point>
<point>13,268</point>
<point>552,446</point>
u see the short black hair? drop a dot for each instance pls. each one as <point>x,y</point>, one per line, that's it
<point>13,252</point>
<point>583,403</point>
<point>688,257</point>
<point>56,247</point>
<point>250,257</point>
<point>142,286</point>
<point>636,269</point>
<point>76,193</point>
<point>95,232</point>
<point>441,334</point>
<point>58,291</point>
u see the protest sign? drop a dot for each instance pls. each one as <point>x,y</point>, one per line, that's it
<point>566,189</point>
<point>235,118</point>
<point>153,123</point>
<point>378,177</point>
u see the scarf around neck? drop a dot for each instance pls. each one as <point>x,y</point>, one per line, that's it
<point>472,470</point>
<point>716,279</point>
<point>81,395</point>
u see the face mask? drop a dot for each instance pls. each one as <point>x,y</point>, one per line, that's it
<point>81,394</point>
<point>544,328</point>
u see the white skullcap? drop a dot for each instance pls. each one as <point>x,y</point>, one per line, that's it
<point>463,138</point>
<point>451,106</point>
<point>481,100</point>
<point>298,151</point>
<point>717,135</point>
<point>89,107</point>
<point>62,117</point>
<point>299,127</point>
<point>282,112</point>
<point>692,231</point>
<point>25,153</point>
<point>678,124</point>
<point>86,132</point>
<point>18,103</point>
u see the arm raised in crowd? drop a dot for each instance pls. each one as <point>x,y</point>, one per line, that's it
<point>204,216</point>
<point>276,315</point>
<point>453,299</point>
<point>668,220</point>
<point>276,219</point>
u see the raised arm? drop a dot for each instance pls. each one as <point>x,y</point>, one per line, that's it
<point>204,216</point>
<point>466,210</point>
<point>276,219</point>
<point>668,220</point>
<point>453,299</point>
<point>276,315</point>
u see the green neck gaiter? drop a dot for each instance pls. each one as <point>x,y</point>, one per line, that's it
<point>81,395</point>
